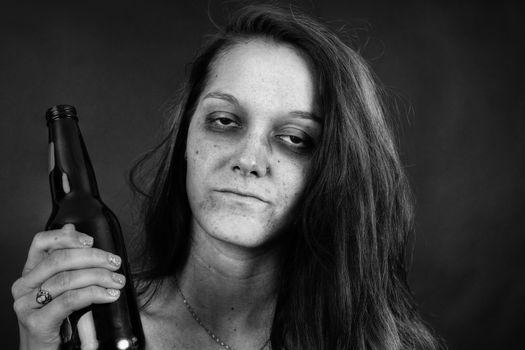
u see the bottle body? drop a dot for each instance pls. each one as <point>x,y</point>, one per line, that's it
<point>76,201</point>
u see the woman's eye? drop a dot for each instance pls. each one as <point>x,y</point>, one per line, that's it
<point>222,122</point>
<point>295,141</point>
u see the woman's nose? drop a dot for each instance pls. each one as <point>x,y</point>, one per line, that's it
<point>251,158</point>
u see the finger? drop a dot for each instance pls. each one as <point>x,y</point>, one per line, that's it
<point>64,260</point>
<point>87,332</point>
<point>76,299</point>
<point>47,241</point>
<point>77,279</point>
<point>50,316</point>
<point>70,280</point>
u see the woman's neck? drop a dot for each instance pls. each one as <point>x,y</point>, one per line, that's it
<point>231,289</point>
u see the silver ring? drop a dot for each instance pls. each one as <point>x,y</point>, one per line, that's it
<point>43,296</point>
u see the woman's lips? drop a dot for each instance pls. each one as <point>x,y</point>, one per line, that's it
<point>243,195</point>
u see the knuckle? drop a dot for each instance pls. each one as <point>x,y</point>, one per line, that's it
<point>55,258</point>
<point>63,280</point>
<point>98,255</point>
<point>15,288</point>
<point>94,253</point>
<point>59,256</point>
<point>93,291</point>
<point>18,306</point>
<point>108,276</point>
<point>69,298</point>
<point>38,238</point>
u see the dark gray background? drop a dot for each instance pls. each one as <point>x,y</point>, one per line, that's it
<point>462,138</point>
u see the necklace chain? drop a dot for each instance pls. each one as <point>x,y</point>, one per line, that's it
<point>199,321</point>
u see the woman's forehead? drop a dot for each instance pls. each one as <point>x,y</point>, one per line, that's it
<point>264,72</point>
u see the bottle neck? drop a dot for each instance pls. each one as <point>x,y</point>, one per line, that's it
<point>70,170</point>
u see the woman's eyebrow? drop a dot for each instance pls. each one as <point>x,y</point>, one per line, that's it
<point>222,96</point>
<point>306,115</point>
<point>231,99</point>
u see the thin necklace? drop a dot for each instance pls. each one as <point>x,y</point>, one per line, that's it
<point>199,321</point>
<point>203,326</point>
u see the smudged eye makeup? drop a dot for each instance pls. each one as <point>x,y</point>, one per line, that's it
<point>293,137</point>
<point>222,121</point>
<point>297,139</point>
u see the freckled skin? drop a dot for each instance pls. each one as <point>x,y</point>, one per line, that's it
<point>268,80</point>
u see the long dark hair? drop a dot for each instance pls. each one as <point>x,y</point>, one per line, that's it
<point>345,268</point>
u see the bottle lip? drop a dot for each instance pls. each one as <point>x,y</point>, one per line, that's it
<point>61,111</point>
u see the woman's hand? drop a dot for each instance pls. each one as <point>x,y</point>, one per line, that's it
<point>63,263</point>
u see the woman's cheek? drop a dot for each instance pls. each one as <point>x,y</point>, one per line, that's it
<point>200,155</point>
<point>292,184</point>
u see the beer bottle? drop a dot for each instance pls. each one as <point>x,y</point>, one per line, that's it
<point>76,200</point>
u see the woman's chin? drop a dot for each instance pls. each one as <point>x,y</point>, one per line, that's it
<point>242,233</point>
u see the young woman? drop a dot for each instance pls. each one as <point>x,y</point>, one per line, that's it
<point>278,215</point>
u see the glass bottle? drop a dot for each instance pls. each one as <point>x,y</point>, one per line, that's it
<point>76,200</point>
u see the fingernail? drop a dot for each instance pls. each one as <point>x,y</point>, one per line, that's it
<point>114,260</point>
<point>113,292</point>
<point>86,241</point>
<point>117,277</point>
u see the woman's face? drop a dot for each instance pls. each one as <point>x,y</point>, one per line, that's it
<point>250,142</point>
